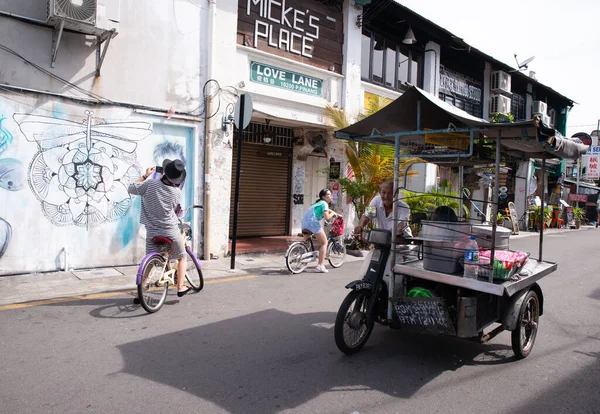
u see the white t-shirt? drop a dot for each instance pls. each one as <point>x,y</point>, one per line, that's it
<point>386,222</point>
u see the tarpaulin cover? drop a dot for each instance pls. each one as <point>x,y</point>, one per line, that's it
<point>528,139</point>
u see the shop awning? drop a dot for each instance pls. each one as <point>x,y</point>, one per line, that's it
<point>298,116</point>
<point>527,139</point>
<point>582,184</point>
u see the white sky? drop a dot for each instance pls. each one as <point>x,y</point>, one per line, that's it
<point>564,37</point>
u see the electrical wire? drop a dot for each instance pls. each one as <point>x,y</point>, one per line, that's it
<point>227,93</point>
<point>175,20</point>
<point>97,97</point>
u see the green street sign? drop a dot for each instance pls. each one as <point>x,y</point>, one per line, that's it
<point>285,79</point>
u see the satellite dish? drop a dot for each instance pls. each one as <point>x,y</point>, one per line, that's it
<point>523,64</point>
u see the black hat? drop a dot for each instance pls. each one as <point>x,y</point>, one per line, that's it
<point>174,171</point>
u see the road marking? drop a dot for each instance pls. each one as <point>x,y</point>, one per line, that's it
<point>109,294</point>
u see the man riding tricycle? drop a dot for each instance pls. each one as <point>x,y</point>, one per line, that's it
<point>458,277</point>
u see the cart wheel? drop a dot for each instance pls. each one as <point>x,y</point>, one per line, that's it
<point>352,326</point>
<point>523,337</point>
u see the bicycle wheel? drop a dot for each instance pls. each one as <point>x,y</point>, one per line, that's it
<point>193,275</point>
<point>352,326</point>
<point>336,253</point>
<point>293,257</point>
<point>152,291</point>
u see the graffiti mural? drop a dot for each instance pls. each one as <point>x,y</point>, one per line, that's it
<point>170,150</point>
<point>5,136</point>
<point>81,171</point>
<point>11,170</point>
<point>5,235</point>
<point>12,177</point>
<point>299,179</point>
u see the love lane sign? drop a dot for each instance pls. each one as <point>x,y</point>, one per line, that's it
<point>285,79</point>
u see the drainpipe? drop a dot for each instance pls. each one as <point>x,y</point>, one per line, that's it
<point>212,15</point>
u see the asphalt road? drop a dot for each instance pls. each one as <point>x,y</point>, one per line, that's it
<point>266,345</point>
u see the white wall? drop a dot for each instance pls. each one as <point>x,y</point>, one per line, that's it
<point>153,61</point>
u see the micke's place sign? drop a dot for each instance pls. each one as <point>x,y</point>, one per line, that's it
<point>285,79</point>
<point>293,29</point>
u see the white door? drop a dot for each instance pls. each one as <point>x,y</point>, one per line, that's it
<point>316,178</point>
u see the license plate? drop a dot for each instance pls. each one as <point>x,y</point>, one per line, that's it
<point>362,285</point>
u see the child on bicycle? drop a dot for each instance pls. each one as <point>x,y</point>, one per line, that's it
<point>311,222</point>
<point>160,204</point>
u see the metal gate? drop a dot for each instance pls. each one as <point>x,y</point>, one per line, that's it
<point>263,208</point>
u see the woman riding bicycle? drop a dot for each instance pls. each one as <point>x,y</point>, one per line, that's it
<point>311,222</point>
<point>160,203</point>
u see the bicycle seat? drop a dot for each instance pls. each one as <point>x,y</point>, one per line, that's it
<point>162,240</point>
<point>307,232</point>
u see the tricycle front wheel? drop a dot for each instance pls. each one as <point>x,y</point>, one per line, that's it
<point>523,337</point>
<point>352,325</point>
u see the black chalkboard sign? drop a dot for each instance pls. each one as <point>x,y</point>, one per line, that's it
<point>570,217</point>
<point>427,315</point>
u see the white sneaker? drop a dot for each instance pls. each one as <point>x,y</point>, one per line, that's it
<point>321,268</point>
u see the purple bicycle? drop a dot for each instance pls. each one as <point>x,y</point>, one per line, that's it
<point>156,273</point>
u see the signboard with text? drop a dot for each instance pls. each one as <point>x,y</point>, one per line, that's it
<point>591,164</point>
<point>308,31</point>
<point>285,79</point>
<point>455,84</point>
<point>578,197</point>
<point>594,150</point>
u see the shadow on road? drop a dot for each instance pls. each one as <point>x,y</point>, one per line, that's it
<point>577,393</point>
<point>271,360</point>
<point>595,294</point>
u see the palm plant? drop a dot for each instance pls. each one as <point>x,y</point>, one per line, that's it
<point>368,164</point>
<point>430,200</point>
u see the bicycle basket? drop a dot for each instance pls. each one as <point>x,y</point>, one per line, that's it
<point>337,228</point>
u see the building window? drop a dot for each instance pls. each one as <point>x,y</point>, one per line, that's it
<point>517,107</point>
<point>388,63</point>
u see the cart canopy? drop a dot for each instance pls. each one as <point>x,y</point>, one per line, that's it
<point>416,112</point>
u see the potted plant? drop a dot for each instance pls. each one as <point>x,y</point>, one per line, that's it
<point>500,219</point>
<point>538,221</point>
<point>578,214</point>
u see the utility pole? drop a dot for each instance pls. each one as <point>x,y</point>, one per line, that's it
<point>578,174</point>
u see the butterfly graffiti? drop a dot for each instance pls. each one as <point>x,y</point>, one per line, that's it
<point>82,170</point>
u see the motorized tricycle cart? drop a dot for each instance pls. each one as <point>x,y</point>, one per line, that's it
<point>400,288</point>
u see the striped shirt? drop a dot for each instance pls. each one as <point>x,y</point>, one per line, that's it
<point>158,203</point>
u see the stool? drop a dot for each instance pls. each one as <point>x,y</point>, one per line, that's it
<point>557,221</point>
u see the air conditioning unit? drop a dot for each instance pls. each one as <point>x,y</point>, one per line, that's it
<point>499,103</point>
<point>500,82</point>
<point>92,17</point>
<point>546,120</point>
<point>540,107</point>
<point>552,117</point>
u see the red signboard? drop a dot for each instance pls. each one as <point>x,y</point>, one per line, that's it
<point>578,197</point>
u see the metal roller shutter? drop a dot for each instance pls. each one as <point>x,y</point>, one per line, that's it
<point>264,191</point>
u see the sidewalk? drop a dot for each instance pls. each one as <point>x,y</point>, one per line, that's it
<point>549,232</point>
<point>44,286</point>
<point>53,285</point>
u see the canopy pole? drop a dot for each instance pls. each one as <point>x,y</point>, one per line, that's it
<point>460,190</point>
<point>495,205</point>
<point>419,114</point>
<point>394,225</point>
<point>542,211</point>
